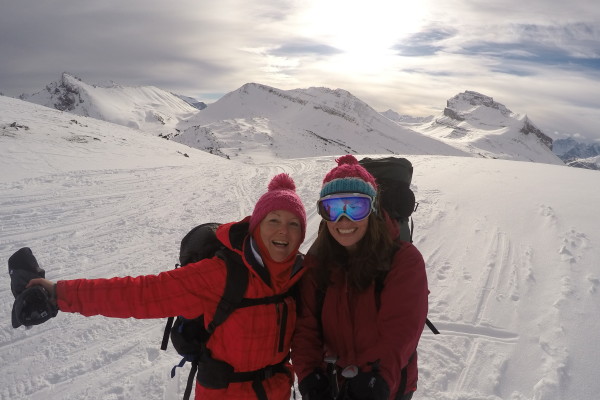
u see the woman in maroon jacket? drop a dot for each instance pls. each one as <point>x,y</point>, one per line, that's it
<point>253,339</point>
<point>364,298</point>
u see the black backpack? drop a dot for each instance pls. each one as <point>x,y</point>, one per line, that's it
<point>393,176</point>
<point>189,336</point>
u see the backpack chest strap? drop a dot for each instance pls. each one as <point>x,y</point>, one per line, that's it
<point>260,374</point>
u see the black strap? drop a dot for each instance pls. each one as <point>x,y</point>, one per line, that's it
<point>260,374</point>
<point>278,298</point>
<point>259,389</point>
<point>235,288</point>
<point>404,377</point>
<point>432,327</point>
<point>168,326</point>
<point>190,381</point>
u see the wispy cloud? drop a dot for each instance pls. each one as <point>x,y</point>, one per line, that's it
<point>569,45</point>
<point>303,48</point>
<point>424,43</point>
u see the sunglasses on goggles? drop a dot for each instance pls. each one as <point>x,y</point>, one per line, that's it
<point>355,206</point>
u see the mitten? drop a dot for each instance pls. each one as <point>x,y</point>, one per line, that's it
<point>367,386</point>
<point>315,386</point>
<point>23,267</point>
<point>32,305</point>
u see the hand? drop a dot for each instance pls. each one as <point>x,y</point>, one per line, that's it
<point>46,284</point>
<point>315,386</point>
<point>367,386</point>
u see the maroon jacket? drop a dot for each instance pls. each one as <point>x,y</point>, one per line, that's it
<point>248,340</point>
<point>359,332</point>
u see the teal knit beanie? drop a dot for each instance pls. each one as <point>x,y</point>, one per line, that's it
<point>349,177</point>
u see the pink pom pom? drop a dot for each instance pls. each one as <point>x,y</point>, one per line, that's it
<point>347,159</point>
<point>282,182</point>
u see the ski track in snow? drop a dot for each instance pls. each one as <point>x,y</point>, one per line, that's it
<point>479,346</point>
<point>482,351</point>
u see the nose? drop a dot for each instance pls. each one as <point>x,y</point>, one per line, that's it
<point>344,218</point>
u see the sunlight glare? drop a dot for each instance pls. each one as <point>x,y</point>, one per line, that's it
<point>359,27</point>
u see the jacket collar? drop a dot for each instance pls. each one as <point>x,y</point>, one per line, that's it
<point>235,237</point>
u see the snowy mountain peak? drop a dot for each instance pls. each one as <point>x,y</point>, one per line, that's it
<point>63,95</point>
<point>473,106</point>
<point>142,107</point>
<point>262,120</point>
<point>477,124</point>
<point>469,102</point>
<point>529,127</point>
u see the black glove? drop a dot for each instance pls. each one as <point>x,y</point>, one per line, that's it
<point>367,386</point>
<point>23,267</point>
<point>33,305</point>
<point>315,386</point>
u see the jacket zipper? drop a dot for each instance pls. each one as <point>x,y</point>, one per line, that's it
<point>278,318</point>
<point>282,316</point>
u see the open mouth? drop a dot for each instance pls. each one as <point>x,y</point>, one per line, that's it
<point>279,243</point>
<point>346,231</point>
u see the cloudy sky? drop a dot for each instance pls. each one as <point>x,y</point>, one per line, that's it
<point>537,57</point>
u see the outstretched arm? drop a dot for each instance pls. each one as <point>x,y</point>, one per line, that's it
<point>184,291</point>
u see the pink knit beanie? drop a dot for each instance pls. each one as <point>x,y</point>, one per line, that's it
<point>280,196</point>
<point>349,177</point>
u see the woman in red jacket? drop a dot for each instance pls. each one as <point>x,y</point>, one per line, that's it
<point>255,340</point>
<point>364,298</point>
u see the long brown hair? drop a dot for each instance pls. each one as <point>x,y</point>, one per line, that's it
<point>373,255</point>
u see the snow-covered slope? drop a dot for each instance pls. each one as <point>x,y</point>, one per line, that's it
<point>476,124</point>
<point>34,136</point>
<point>143,107</point>
<point>512,252</point>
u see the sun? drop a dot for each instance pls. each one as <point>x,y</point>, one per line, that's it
<point>361,27</point>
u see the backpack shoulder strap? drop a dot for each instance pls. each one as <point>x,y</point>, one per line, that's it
<point>235,288</point>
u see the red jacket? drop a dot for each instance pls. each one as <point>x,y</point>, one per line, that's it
<point>357,330</point>
<point>248,339</point>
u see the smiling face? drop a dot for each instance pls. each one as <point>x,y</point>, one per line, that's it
<point>347,232</point>
<point>281,233</point>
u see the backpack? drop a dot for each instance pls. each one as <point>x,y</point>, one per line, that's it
<point>189,336</point>
<point>393,176</point>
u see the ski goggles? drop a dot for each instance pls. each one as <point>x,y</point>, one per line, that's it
<point>355,206</point>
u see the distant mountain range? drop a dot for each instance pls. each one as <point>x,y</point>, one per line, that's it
<point>578,154</point>
<point>255,120</point>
